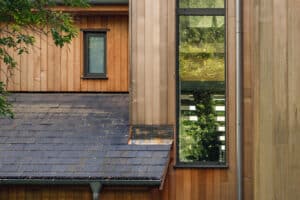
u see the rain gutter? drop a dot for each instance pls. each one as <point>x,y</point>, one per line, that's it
<point>95,184</point>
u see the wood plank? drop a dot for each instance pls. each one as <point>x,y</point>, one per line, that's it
<point>23,70</point>
<point>70,66</point>
<point>179,184</point>
<point>45,194</point>
<point>171,62</point>
<point>12,193</point>
<point>10,72</point>
<point>36,57</point>
<point>124,55</point>
<point>31,67</point>
<point>50,64</point>
<point>110,51</point>
<point>149,56</point>
<point>265,172</point>
<point>83,82</point>
<point>280,98</point>
<point>57,68</point>
<point>17,73</point>
<point>133,60</point>
<point>101,23</point>
<point>77,57</point>
<point>44,62</point>
<point>140,62</point>
<point>93,24</point>
<point>64,68</point>
<point>95,9</point>
<point>163,64</point>
<point>248,139</point>
<point>292,157</point>
<point>118,52</point>
<point>155,65</point>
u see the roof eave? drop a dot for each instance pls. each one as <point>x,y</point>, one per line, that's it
<point>107,182</point>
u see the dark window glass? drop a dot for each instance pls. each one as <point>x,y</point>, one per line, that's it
<point>202,94</point>
<point>95,54</point>
<point>201,3</point>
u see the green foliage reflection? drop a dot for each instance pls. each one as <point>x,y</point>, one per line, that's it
<point>201,3</point>
<point>198,139</point>
<point>202,76</point>
<point>201,51</point>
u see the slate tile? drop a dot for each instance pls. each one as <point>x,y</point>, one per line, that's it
<point>73,135</point>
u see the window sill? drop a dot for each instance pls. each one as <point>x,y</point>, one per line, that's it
<point>94,77</point>
<point>200,166</point>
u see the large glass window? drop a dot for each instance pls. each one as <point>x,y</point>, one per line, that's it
<point>201,74</point>
<point>201,3</point>
<point>95,54</point>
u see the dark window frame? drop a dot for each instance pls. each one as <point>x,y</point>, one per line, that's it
<point>86,35</point>
<point>199,12</point>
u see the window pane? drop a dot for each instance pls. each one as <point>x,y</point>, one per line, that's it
<point>201,3</point>
<point>96,44</point>
<point>202,136</point>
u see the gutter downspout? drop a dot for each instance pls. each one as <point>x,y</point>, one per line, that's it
<point>96,184</point>
<point>239,98</point>
<point>96,189</point>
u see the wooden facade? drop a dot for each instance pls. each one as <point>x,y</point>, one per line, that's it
<point>152,61</point>
<point>275,52</point>
<point>74,193</point>
<point>153,91</point>
<point>271,100</point>
<point>48,68</point>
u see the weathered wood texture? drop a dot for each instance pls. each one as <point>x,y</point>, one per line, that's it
<point>248,136</point>
<point>275,37</point>
<point>96,10</point>
<point>152,61</point>
<point>50,68</point>
<point>211,184</point>
<point>73,193</point>
<point>188,184</point>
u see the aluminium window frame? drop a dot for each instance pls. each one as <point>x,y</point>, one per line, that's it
<point>86,34</point>
<point>199,12</point>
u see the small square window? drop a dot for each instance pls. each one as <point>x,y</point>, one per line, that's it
<point>94,54</point>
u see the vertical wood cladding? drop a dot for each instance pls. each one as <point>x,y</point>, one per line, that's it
<point>73,193</point>
<point>159,108</point>
<point>271,101</point>
<point>152,61</point>
<point>275,37</point>
<point>54,69</point>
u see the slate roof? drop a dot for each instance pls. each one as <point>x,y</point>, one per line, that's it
<point>75,136</point>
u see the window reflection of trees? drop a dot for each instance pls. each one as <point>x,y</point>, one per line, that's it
<point>202,76</point>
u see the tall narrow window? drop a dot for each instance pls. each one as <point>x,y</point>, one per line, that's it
<point>95,54</point>
<point>201,83</point>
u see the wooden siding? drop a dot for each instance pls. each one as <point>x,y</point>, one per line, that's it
<point>50,68</point>
<point>96,9</point>
<point>188,184</point>
<point>211,184</point>
<point>152,61</point>
<point>275,37</point>
<point>248,102</point>
<point>74,193</point>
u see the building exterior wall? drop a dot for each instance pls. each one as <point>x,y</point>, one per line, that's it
<point>271,102</point>
<point>275,59</point>
<point>159,108</point>
<point>152,61</point>
<point>48,68</point>
<point>74,193</point>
